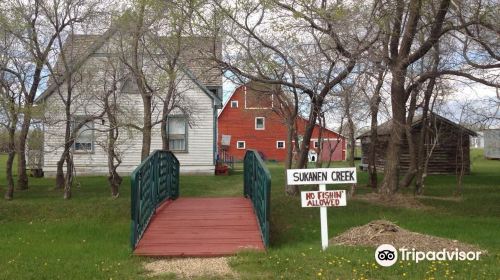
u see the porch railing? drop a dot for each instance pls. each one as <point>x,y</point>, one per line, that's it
<point>155,180</point>
<point>257,187</point>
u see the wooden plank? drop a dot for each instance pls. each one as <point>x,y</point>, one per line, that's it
<point>201,227</point>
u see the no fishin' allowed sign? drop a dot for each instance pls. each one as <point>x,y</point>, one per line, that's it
<point>323,199</point>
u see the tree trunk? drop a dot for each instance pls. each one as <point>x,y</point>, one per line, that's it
<point>291,190</point>
<point>9,194</point>
<point>146,130</point>
<point>390,183</point>
<point>171,92</point>
<point>412,168</point>
<point>164,134</point>
<point>67,131</point>
<point>60,173</point>
<point>350,127</point>
<point>352,144</point>
<point>459,162</point>
<point>372,148</point>
<point>68,184</point>
<point>114,179</point>
<point>22,175</point>
<point>319,160</point>
<point>306,140</point>
<point>421,149</point>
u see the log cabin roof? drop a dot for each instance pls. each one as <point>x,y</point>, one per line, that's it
<point>386,127</point>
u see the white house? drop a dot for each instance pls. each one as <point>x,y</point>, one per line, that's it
<point>192,131</point>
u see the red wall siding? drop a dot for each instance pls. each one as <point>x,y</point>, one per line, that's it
<point>240,124</point>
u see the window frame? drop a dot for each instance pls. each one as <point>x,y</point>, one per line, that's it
<point>238,146</point>
<point>234,102</point>
<point>277,144</point>
<point>263,123</point>
<point>185,150</point>
<point>77,119</point>
<point>316,144</point>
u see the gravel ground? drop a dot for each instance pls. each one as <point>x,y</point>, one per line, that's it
<point>191,267</point>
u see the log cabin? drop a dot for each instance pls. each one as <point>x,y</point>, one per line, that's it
<point>446,145</point>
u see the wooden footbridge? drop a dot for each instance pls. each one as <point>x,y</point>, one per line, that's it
<point>164,224</point>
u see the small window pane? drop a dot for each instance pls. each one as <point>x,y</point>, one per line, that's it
<point>234,104</point>
<point>177,126</point>
<point>240,144</point>
<point>177,133</point>
<point>259,123</point>
<point>280,144</point>
<point>84,136</point>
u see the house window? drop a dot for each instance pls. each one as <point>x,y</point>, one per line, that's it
<point>316,144</point>
<point>234,104</point>
<point>280,144</point>
<point>215,90</point>
<point>130,86</point>
<point>177,133</point>
<point>240,145</point>
<point>260,123</point>
<point>84,140</point>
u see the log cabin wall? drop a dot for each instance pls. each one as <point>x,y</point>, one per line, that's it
<point>448,153</point>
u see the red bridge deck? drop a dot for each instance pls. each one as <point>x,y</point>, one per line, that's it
<point>201,227</point>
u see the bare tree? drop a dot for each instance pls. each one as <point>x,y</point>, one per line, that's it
<point>375,100</point>
<point>10,109</point>
<point>408,43</point>
<point>36,26</point>
<point>308,53</point>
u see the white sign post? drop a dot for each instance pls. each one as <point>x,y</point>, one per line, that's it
<point>322,198</point>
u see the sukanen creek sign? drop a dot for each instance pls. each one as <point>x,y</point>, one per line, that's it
<point>322,198</point>
<point>321,176</point>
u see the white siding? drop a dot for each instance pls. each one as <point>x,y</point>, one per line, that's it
<point>197,159</point>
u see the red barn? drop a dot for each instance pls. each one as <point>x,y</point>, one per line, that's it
<point>248,121</point>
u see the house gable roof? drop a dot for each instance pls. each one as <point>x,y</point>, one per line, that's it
<point>85,46</point>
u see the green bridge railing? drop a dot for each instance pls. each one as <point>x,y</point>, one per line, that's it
<point>257,187</point>
<point>155,180</point>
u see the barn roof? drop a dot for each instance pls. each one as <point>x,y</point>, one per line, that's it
<point>386,127</point>
<point>262,87</point>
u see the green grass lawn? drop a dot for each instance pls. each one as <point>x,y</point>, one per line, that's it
<point>44,237</point>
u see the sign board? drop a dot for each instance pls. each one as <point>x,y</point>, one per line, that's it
<point>324,198</point>
<point>318,176</point>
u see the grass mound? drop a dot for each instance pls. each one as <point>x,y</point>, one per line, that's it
<point>380,232</point>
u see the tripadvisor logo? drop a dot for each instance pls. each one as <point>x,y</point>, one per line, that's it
<point>387,255</point>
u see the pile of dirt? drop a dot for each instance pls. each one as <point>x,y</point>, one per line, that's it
<point>380,232</point>
<point>396,200</point>
<point>191,267</point>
